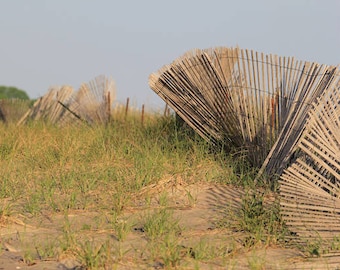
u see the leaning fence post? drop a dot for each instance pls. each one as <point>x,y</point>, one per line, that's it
<point>142,114</point>
<point>127,107</point>
<point>108,108</point>
<point>166,110</point>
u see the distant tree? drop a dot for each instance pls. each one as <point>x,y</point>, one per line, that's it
<point>8,92</point>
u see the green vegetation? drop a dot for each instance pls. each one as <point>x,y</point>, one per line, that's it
<point>9,92</point>
<point>88,180</point>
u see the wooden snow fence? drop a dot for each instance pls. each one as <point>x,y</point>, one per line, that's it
<point>91,104</point>
<point>11,110</point>
<point>255,101</point>
<point>284,112</point>
<point>310,186</point>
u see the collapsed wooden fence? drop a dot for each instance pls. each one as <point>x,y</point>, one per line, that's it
<point>284,112</point>
<point>11,110</point>
<point>310,186</point>
<point>252,100</point>
<point>94,103</point>
<point>63,106</point>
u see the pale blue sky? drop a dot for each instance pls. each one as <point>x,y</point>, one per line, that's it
<point>46,43</point>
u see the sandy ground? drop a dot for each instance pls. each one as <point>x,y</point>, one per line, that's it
<point>197,215</point>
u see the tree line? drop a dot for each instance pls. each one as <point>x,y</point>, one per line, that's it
<point>10,92</point>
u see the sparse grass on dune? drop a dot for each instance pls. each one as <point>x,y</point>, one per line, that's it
<point>46,167</point>
<point>101,169</point>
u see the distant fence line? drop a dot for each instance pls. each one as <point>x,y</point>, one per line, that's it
<point>94,103</point>
<point>62,105</point>
<point>18,111</point>
<point>11,110</point>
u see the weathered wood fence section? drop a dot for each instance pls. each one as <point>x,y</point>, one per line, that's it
<point>63,106</point>
<point>256,101</point>
<point>284,112</point>
<point>310,186</point>
<point>11,110</point>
